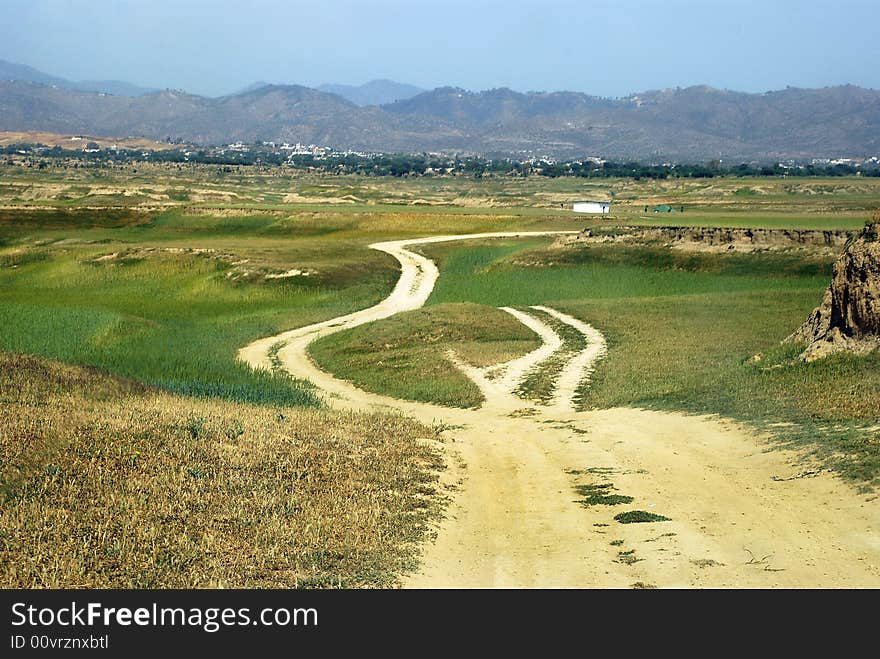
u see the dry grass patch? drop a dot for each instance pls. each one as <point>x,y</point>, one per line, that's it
<point>105,483</point>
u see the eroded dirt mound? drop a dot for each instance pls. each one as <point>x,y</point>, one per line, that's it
<point>720,238</point>
<point>849,316</point>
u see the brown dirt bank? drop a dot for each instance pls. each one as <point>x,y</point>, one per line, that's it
<point>848,317</point>
<point>720,238</point>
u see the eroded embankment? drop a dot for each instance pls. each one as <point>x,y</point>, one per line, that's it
<point>848,318</point>
<point>720,237</point>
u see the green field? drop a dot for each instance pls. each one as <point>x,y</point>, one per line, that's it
<point>682,329</point>
<point>124,291</point>
<point>170,319</point>
<point>391,357</point>
<point>681,326</point>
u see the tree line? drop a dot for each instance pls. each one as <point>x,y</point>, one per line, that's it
<point>399,165</point>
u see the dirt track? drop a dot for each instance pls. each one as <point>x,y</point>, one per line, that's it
<point>499,383</point>
<point>514,520</point>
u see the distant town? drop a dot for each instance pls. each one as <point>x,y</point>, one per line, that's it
<point>84,151</point>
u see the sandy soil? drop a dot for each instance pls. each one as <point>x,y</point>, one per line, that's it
<point>515,519</point>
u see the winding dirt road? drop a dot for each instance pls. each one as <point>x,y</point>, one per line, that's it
<point>515,520</point>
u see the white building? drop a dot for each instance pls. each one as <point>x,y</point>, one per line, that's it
<point>600,207</point>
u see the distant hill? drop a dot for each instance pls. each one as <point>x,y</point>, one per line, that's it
<point>498,108</point>
<point>694,124</point>
<point>13,71</point>
<point>375,92</point>
<point>270,112</point>
<point>24,73</point>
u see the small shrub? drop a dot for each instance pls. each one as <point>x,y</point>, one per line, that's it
<point>639,516</point>
<point>195,426</point>
<point>628,557</point>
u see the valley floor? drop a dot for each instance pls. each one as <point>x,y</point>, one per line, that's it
<point>714,506</point>
<point>164,461</point>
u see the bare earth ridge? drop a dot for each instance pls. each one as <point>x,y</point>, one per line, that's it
<point>740,514</point>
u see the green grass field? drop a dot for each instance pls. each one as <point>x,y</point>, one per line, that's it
<point>680,326</point>
<point>405,356</point>
<point>172,318</point>
<point>481,274</point>
<point>682,329</point>
<point>169,321</point>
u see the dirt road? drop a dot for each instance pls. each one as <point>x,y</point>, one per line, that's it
<point>515,519</point>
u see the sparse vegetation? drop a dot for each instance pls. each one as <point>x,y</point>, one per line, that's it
<point>628,557</point>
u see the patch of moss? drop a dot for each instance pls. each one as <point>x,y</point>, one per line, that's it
<point>600,495</point>
<point>639,516</point>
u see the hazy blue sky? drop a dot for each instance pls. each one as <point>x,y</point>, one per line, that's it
<point>601,47</point>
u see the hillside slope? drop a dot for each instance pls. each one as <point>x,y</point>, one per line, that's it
<point>692,124</point>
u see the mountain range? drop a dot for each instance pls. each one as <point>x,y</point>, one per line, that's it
<point>691,124</point>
